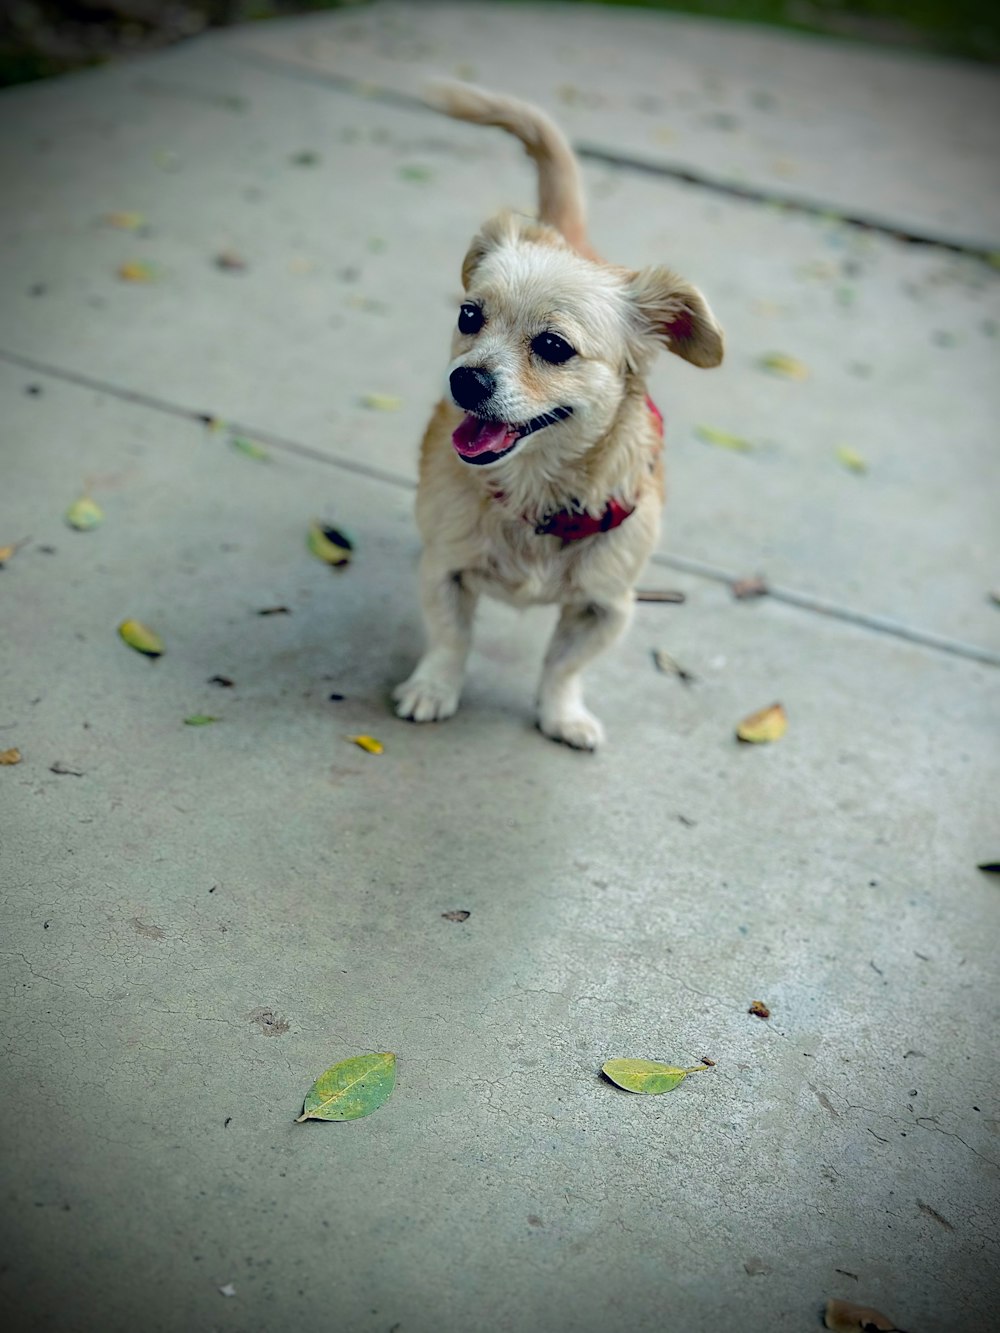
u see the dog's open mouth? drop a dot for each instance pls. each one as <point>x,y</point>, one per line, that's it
<point>479,441</point>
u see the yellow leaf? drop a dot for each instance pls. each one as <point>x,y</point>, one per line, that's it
<point>134,270</point>
<point>143,640</point>
<point>368,743</point>
<point>785,365</point>
<point>851,459</point>
<point>381,402</point>
<point>11,756</point>
<point>84,514</point>
<point>647,1075</point>
<point>125,221</point>
<point>769,724</point>
<point>329,544</point>
<point>6,552</point>
<point>723,439</point>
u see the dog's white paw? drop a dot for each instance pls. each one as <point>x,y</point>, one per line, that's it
<point>573,726</point>
<point>426,698</point>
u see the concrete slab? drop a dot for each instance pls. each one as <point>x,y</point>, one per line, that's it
<point>880,133</point>
<point>181,879</point>
<point>166,886</point>
<point>899,341</point>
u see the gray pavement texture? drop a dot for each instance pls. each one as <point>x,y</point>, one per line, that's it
<point>165,887</point>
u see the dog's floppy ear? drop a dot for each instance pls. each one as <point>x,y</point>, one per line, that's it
<point>676,315</point>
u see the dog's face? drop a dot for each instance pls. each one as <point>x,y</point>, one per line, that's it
<point>546,340</point>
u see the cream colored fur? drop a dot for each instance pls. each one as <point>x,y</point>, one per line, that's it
<point>478,522</point>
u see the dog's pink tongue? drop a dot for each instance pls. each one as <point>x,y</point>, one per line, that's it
<point>475,436</point>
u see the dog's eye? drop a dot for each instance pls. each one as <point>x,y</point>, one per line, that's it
<point>550,347</point>
<point>470,318</point>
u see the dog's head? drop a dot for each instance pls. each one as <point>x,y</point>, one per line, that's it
<point>547,340</point>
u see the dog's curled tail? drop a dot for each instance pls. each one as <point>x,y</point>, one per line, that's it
<point>560,189</point>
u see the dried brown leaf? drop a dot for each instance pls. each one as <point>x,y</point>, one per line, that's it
<point>846,1317</point>
<point>759,1009</point>
<point>11,756</point>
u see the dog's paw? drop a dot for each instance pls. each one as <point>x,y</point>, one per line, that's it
<point>573,726</point>
<point>425,698</point>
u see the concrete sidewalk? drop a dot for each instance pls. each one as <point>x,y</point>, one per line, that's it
<point>167,886</point>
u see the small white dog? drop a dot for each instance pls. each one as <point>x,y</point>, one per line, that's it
<point>541,471</point>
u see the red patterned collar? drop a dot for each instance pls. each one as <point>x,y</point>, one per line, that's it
<point>572,525</point>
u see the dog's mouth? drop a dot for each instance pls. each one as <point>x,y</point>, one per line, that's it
<point>478,440</point>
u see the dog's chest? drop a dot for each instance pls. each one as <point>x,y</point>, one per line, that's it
<point>525,569</point>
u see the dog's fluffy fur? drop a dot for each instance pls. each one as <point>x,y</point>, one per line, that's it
<point>592,436</point>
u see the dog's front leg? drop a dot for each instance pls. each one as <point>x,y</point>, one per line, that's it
<point>431,693</point>
<point>581,633</point>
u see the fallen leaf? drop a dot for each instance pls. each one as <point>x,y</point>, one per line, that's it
<point>757,1267</point>
<point>671,667</point>
<point>769,724</point>
<point>249,447</point>
<point>743,589</point>
<point>415,172</point>
<point>846,1317</point>
<point>274,611</point>
<point>6,552</point>
<point>125,221</point>
<point>84,514</point>
<point>227,1290</point>
<point>368,743</point>
<point>851,458</point>
<point>63,770</point>
<point>381,402</point>
<point>9,757</point>
<point>351,1088</point>
<point>200,720</point>
<point>143,640</point>
<point>723,439</point>
<point>660,595</point>
<point>460,915</point>
<point>706,1061</point>
<point>224,681</point>
<point>788,366</point>
<point>991,867</point>
<point>229,261</point>
<point>759,1009</point>
<point>329,544</point>
<point>647,1075</point>
<point>134,270</point>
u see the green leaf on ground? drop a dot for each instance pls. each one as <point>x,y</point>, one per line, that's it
<point>84,514</point>
<point>200,720</point>
<point>143,640</point>
<point>723,439</point>
<point>852,459</point>
<point>125,221</point>
<point>250,447</point>
<point>647,1075</point>
<point>779,364</point>
<point>329,544</point>
<point>351,1088</point>
<point>381,402</point>
<point>134,270</point>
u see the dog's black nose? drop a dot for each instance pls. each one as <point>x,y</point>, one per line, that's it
<point>470,387</point>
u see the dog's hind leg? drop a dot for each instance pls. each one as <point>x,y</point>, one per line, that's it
<point>432,692</point>
<point>581,633</point>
